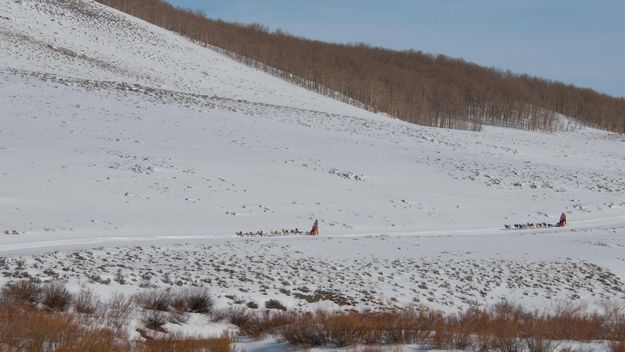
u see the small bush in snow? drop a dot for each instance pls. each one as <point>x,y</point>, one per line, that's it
<point>193,300</point>
<point>54,295</point>
<point>119,277</point>
<point>154,300</point>
<point>220,314</point>
<point>86,302</point>
<point>117,309</point>
<point>155,320</point>
<point>540,344</point>
<point>274,304</point>
<point>239,316</point>
<point>508,344</point>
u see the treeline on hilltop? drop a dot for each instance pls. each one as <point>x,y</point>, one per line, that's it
<point>416,87</point>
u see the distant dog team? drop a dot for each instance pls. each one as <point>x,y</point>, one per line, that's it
<point>540,225</point>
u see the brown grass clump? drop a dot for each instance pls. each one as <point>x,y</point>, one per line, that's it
<point>616,346</point>
<point>23,328</point>
<point>260,325</point>
<point>177,343</point>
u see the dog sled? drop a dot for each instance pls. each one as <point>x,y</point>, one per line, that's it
<point>538,225</point>
<point>283,232</point>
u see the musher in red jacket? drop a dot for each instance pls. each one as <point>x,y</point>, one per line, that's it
<point>562,221</point>
<point>315,229</point>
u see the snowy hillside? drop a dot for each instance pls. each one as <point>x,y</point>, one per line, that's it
<point>114,132</point>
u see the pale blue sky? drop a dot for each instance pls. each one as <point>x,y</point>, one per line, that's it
<point>574,41</point>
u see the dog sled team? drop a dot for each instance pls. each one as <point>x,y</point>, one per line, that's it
<point>284,232</point>
<point>540,225</point>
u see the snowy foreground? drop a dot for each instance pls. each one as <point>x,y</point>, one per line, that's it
<point>129,152</point>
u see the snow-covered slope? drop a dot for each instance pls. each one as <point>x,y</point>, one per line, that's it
<point>113,132</point>
<point>81,38</point>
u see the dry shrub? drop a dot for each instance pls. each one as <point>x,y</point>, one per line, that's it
<point>155,320</point>
<point>441,338</point>
<point>540,344</point>
<point>117,310</point>
<point>308,330</point>
<point>482,344</point>
<point>409,326</point>
<point>346,329</point>
<point>275,304</point>
<point>220,314</point>
<point>259,325</point>
<point>455,332</point>
<point>373,349</point>
<point>22,292</point>
<point>575,323</point>
<point>154,300</point>
<point>507,322</point>
<point>55,295</point>
<point>404,327</point>
<point>239,316</point>
<point>508,344</point>
<point>193,300</point>
<point>616,346</point>
<point>86,302</point>
<point>474,320</point>
<point>461,341</point>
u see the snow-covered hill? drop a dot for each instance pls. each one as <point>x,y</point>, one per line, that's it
<point>114,132</point>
